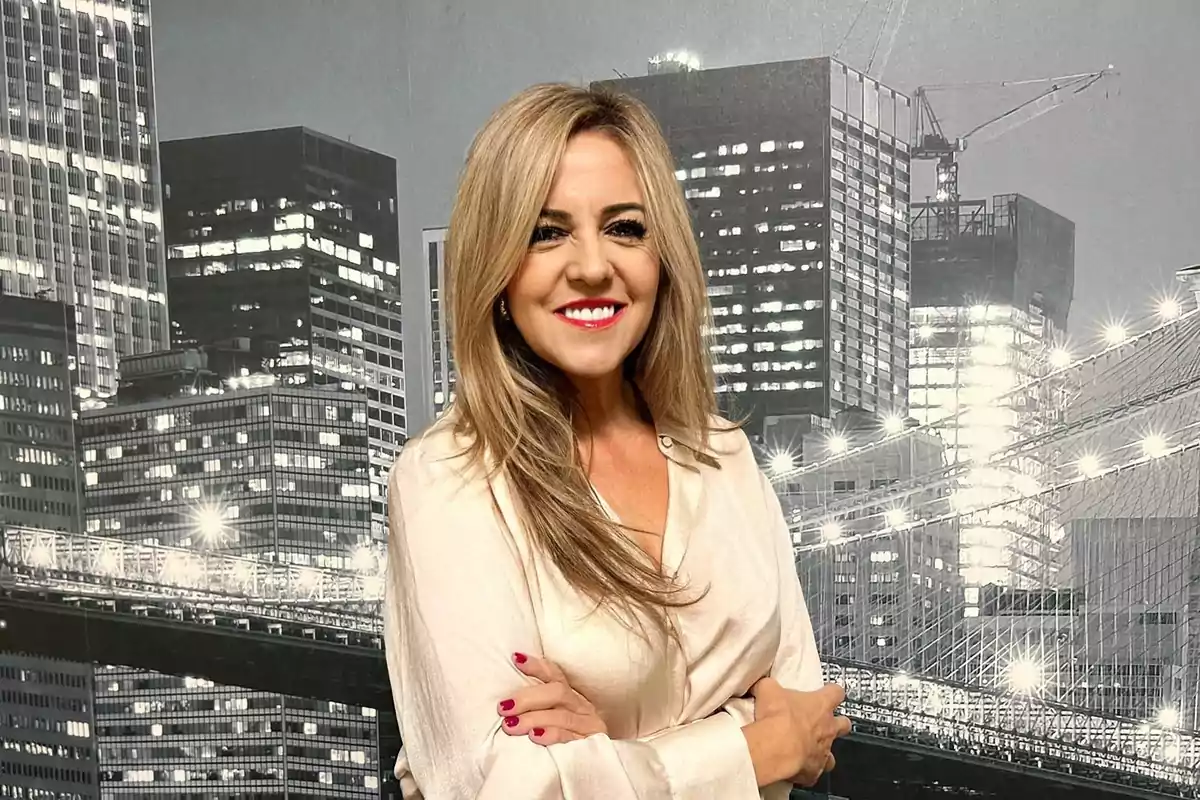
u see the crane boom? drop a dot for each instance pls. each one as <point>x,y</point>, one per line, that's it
<point>931,144</point>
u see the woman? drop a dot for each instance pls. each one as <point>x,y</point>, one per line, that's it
<point>587,571</point>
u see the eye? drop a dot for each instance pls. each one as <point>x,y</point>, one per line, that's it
<point>546,233</point>
<point>631,229</point>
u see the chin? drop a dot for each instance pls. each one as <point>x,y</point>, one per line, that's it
<point>589,369</point>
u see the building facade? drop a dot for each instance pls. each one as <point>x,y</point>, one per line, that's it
<point>80,198</point>
<point>252,468</point>
<point>990,301</point>
<point>880,592</point>
<point>289,238</point>
<point>433,242</point>
<point>47,726</point>
<point>797,174</point>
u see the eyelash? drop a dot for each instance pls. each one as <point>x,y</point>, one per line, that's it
<point>622,229</point>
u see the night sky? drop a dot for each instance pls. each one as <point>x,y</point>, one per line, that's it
<point>416,79</point>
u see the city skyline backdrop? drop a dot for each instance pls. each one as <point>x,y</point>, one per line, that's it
<point>382,75</point>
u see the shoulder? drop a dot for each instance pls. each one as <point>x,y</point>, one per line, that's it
<point>730,446</point>
<point>435,465</point>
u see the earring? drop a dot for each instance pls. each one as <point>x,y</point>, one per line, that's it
<point>503,308</point>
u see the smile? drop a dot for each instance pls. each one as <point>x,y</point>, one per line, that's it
<point>591,314</point>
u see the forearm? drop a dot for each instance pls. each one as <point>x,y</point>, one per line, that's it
<point>768,757</point>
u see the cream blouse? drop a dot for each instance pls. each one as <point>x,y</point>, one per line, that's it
<point>466,590</point>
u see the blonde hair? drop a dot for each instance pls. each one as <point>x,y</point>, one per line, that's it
<point>512,406</point>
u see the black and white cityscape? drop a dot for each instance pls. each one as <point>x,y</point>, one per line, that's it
<point>951,256</point>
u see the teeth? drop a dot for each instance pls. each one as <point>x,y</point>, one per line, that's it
<point>590,314</point>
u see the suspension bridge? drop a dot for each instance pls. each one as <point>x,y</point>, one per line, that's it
<point>1070,650</point>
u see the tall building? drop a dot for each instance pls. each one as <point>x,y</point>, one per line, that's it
<point>46,725</point>
<point>434,247</point>
<point>45,705</point>
<point>39,470</point>
<point>880,593</point>
<point>253,468</point>
<point>289,238</point>
<point>797,174</point>
<point>80,216</point>
<point>990,298</point>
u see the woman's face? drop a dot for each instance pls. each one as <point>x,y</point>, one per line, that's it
<point>584,295</point>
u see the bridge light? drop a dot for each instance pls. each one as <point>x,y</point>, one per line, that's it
<point>208,523</point>
<point>1025,675</point>
<point>1089,466</point>
<point>781,463</point>
<point>925,333</point>
<point>365,559</point>
<point>893,424</point>
<point>1155,446</point>
<point>1060,357</point>
<point>895,517</point>
<point>1169,308</point>
<point>837,444</point>
<point>1168,717</point>
<point>1115,334</point>
<point>831,531</point>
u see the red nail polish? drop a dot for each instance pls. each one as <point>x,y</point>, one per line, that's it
<point>520,658</point>
<point>511,721</point>
<point>539,731</point>
<point>507,705</point>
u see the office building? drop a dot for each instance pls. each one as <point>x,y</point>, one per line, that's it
<point>39,470</point>
<point>797,174</point>
<point>434,247</point>
<point>990,300</point>
<point>879,591</point>
<point>253,468</point>
<point>46,725</point>
<point>80,203</point>
<point>289,238</point>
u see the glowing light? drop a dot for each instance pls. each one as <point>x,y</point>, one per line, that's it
<point>1168,717</point>
<point>1115,334</point>
<point>364,559</point>
<point>209,522</point>
<point>893,424</point>
<point>41,554</point>
<point>925,332</point>
<point>1155,446</point>
<point>1025,675</point>
<point>1089,466</point>
<point>782,462</point>
<point>1169,308</point>
<point>1060,357</point>
<point>831,531</point>
<point>895,517</point>
<point>837,444</point>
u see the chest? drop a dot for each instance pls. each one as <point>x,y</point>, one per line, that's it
<point>634,482</point>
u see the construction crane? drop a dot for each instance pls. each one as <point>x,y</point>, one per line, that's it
<point>931,144</point>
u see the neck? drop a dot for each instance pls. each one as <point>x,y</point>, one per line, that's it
<point>607,403</point>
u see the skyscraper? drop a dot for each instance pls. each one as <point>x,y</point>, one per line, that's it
<point>798,177</point>
<point>434,241</point>
<point>990,297</point>
<point>80,216</point>
<point>289,238</point>
<point>252,468</point>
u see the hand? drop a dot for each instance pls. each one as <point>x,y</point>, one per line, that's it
<point>549,712</point>
<point>793,732</point>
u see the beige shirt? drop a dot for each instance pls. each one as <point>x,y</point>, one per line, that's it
<point>466,590</point>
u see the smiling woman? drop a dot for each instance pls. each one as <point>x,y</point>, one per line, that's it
<point>588,574</point>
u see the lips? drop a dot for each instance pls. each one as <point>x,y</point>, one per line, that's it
<point>591,314</point>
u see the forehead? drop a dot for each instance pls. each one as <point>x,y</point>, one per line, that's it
<point>594,171</point>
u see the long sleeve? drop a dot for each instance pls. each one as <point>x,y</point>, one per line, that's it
<point>457,606</point>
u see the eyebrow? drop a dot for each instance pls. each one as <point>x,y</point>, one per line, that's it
<point>608,212</point>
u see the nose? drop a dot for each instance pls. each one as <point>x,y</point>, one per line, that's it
<point>589,263</point>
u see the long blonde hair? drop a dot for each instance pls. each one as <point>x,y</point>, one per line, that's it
<point>513,407</point>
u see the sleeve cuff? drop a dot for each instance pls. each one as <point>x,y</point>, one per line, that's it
<point>708,760</point>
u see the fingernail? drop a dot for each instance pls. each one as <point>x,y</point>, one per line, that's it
<point>520,658</point>
<point>506,705</point>
<point>539,731</point>
<point>511,721</point>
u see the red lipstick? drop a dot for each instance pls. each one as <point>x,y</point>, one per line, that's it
<point>591,313</point>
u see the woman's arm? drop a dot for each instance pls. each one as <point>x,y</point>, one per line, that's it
<point>457,608</point>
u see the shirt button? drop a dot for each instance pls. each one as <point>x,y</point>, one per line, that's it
<point>665,441</point>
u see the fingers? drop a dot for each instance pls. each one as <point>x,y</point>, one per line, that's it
<point>830,763</point>
<point>545,671</point>
<point>842,726</point>
<point>555,718</point>
<point>549,736</point>
<point>542,696</point>
<point>834,695</point>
